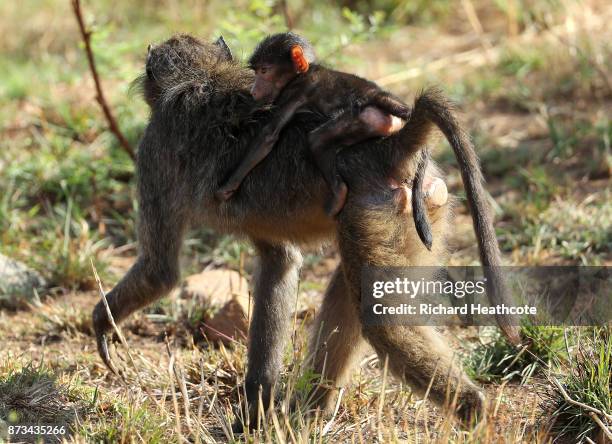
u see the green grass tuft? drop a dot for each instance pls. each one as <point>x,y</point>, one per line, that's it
<point>497,360</point>
<point>588,381</point>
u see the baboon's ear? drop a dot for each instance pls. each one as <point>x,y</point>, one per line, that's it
<point>227,53</point>
<point>298,58</point>
<point>147,66</point>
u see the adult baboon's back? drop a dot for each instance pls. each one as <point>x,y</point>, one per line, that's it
<point>202,121</point>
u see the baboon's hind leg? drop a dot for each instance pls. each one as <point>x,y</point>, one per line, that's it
<point>336,341</point>
<point>417,355</point>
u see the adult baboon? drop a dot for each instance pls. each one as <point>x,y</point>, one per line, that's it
<point>202,121</point>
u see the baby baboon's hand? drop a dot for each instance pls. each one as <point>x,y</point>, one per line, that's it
<point>225,193</point>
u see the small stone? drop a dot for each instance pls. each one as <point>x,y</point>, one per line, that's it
<point>19,284</point>
<point>229,324</point>
<point>226,293</point>
<point>216,287</point>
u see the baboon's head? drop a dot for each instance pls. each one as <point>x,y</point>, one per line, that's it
<point>182,60</point>
<point>277,60</point>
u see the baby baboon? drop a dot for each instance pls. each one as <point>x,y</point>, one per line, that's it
<point>202,120</point>
<point>287,74</point>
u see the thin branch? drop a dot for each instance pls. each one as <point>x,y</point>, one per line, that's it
<point>287,16</point>
<point>112,123</point>
<point>329,425</point>
<point>586,407</point>
<point>472,15</point>
<point>601,425</point>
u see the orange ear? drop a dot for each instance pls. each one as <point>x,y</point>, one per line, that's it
<point>299,60</point>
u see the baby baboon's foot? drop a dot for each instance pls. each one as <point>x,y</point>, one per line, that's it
<point>225,193</point>
<point>338,200</point>
<point>238,427</point>
<point>243,421</point>
<point>381,122</point>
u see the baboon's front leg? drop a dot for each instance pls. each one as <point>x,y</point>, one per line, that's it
<point>275,290</point>
<point>155,273</point>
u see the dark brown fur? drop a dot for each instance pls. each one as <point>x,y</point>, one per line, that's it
<point>355,108</point>
<point>202,119</point>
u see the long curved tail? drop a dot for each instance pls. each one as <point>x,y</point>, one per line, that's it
<point>431,106</point>
<point>419,212</point>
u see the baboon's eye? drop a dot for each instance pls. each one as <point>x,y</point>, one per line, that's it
<point>263,70</point>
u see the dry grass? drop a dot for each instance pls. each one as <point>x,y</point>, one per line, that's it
<point>533,83</point>
<point>175,394</point>
<point>169,392</point>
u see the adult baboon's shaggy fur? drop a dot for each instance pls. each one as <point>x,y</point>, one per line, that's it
<point>202,122</point>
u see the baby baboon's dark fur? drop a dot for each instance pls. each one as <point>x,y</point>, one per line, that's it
<point>202,121</point>
<point>296,83</point>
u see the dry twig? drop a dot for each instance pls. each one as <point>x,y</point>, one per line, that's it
<point>601,425</point>
<point>594,414</point>
<point>286,15</point>
<point>586,407</point>
<point>110,118</point>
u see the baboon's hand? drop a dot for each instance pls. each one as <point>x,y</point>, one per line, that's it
<point>472,409</point>
<point>101,339</point>
<point>101,327</point>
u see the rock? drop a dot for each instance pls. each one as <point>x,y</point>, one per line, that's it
<point>227,325</point>
<point>18,283</point>
<point>226,293</point>
<point>215,287</point>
